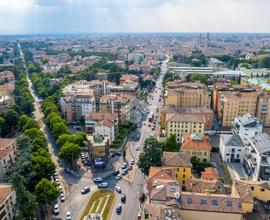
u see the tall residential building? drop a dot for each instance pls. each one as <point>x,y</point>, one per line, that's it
<point>77,101</point>
<point>179,124</point>
<point>263,109</point>
<point>7,202</point>
<point>257,159</point>
<point>188,95</point>
<point>233,104</point>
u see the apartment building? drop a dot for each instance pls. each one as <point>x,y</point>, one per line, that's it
<point>105,128</point>
<point>257,159</point>
<point>196,145</point>
<point>188,95</point>
<point>76,101</point>
<point>233,104</point>
<point>7,155</point>
<point>179,124</point>
<point>247,126</point>
<point>7,202</point>
<point>179,161</point>
<point>263,109</point>
<point>207,113</point>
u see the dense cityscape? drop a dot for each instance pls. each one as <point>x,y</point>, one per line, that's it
<point>133,125</point>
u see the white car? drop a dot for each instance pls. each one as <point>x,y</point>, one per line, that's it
<point>68,215</point>
<point>118,177</point>
<point>98,179</point>
<point>118,189</point>
<point>132,162</point>
<point>56,209</point>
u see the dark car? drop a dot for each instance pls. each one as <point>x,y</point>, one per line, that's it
<point>142,197</point>
<point>116,172</point>
<point>123,198</point>
<point>119,209</point>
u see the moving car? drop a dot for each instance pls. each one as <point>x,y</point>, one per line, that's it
<point>103,185</point>
<point>123,198</point>
<point>98,179</point>
<point>56,209</point>
<point>85,190</point>
<point>117,189</point>
<point>68,215</point>
<point>119,209</point>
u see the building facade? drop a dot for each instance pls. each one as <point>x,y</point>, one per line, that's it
<point>7,202</point>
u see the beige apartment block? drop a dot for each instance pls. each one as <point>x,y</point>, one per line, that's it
<point>232,104</point>
<point>188,95</point>
<point>263,109</point>
<point>179,124</point>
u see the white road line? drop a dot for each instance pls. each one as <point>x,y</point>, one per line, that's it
<point>105,204</point>
<point>99,204</point>
<point>92,207</point>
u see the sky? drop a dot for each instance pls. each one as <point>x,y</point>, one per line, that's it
<point>90,16</point>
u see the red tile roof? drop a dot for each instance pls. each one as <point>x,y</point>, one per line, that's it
<point>210,173</point>
<point>190,142</point>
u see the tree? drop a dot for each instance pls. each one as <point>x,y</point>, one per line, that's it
<point>43,166</point>
<point>59,129</point>
<point>80,138</point>
<point>31,123</point>
<point>25,201</point>
<point>64,138</point>
<point>46,192</point>
<point>151,155</point>
<point>23,120</point>
<point>199,166</point>
<point>171,145</point>
<point>2,124</point>
<point>11,117</point>
<point>70,152</point>
<point>264,62</point>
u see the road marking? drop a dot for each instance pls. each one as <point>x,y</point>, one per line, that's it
<point>92,207</point>
<point>99,204</point>
<point>105,204</point>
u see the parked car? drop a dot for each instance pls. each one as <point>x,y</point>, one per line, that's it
<point>98,179</point>
<point>132,162</point>
<point>124,172</point>
<point>117,189</point>
<point>116,172</point>
<point>118,177</point>
<point>62,197</point>
<point>103,185</point>
<point>68,215</point>
<point>56,209</point>
<point>139,215</point>
<point>85,190</point>
<point>119,209</point>
<point>129,167</point>
<point>123,198</point>
<point>137,148</point>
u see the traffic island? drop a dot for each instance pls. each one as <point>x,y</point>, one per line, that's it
<point>100,204</point>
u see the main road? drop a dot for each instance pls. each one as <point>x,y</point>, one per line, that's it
<point>138,183</point>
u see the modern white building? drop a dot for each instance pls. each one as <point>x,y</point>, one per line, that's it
<point>231,148</point>
<point>247,126</point>
<point>257,157</point>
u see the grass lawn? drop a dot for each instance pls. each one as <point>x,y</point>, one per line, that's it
<point>97,199</point>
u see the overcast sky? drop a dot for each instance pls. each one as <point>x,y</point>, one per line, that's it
<point>85,16</point>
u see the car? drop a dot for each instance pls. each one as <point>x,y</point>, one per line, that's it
<point>85,190</point>
<point>137,148</point>
<point>130,167</point>
<point>103,185</point>
<point>118,177</point>
<point>62,197</point>
<point>153,128</point>
<point>116,172</point>
<point>60,189</point>
<point>98,179</point>
<point>214,164</point>
<point>123,198</point>
<point>119,209</point>
<point>68,215</point>
<point>56,209</point>
<point>139,215</point>
<point>142,197</point>
<point>124,172</point>
<point>132,162</point>
<point>57,182</point>
<point>125,163</point>
<point>117,189</point>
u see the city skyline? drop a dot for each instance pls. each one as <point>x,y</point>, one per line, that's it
<point>107,16</point>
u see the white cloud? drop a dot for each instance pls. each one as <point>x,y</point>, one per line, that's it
<point>22,16</point>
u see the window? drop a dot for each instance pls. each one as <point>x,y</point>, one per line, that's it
<point>203,202</point>
<point>229,203</point>
<point>189,200</point>
<point>184,170</point>
<point>214,202</point>
<point>184,176</point>
<point>252,188</point>
<point>262,189</point>
<point>184,182</point>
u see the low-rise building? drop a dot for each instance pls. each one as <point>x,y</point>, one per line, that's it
<point>196,145</point>
<point>247,126</point>
<point>7,202</point>
<point>257,159</point>
<point>105,128</point>
<point>206,186</point>
<point>210,173</point>
<point>207,113</point>
<point>179,124</point>
<point>7,155</point>
<point>179,161</point>
<point>231,148</point>
<point>98,149</point>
